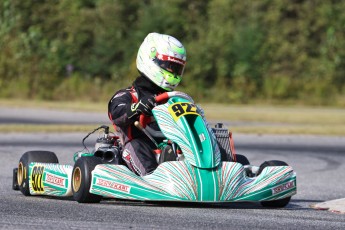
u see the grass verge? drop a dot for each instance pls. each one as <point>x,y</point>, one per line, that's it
<point>63,105</point>
<point>258,119</point>
<point>46,128</point>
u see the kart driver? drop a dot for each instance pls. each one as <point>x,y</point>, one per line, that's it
<point>160,61</point>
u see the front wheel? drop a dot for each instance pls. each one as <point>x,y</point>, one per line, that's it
<point>81,179</point>
<point>22,173</point>
<point>274,203</point>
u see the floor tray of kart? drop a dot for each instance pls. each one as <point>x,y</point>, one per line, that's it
<point>196,164</point>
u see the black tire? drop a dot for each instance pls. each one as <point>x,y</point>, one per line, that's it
<point>23,168</point>
<point>274,203</point>
<point>15,185</point>
<point>242,159</point>
<point>81,180</point>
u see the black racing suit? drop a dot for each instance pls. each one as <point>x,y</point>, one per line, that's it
<point>137,147</point>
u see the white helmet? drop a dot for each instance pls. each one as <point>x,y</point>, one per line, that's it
<point>162,59</point>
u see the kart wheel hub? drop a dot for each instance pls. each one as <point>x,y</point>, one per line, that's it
<point>20,174</point>
<point>76,179</point>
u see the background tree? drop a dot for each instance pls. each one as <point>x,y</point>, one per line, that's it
<point>238,50</point>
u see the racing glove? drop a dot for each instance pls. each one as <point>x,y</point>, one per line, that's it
<point>144,106</point>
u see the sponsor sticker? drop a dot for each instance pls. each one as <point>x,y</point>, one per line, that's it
<point>202,137</point>
<point>283,187</point>
<point>170,58</point>
<point>113,185</point>
<point>55,180</point>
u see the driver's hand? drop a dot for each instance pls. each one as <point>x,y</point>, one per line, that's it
<point>144,106</point>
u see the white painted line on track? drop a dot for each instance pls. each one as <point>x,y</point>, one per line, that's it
<point>337,206</point>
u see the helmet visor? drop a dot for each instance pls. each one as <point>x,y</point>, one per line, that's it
<point>170,64</point>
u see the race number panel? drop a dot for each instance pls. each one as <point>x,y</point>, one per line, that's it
<point>181,109</point>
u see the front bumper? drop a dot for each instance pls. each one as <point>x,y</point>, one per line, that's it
<point>180,181</point>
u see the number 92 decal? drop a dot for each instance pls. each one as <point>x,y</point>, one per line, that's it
<point>182,108</point>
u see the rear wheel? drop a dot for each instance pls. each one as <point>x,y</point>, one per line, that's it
<point>274,203</point>
<point>242,159</point>
<point>81,180</point>
<point>23,167</point>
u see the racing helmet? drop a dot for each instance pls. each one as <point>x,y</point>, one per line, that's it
<point>162,58</point>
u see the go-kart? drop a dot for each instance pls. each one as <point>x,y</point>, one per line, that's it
<point>196,164</point>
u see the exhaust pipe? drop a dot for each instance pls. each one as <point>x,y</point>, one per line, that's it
<point>108,155</point>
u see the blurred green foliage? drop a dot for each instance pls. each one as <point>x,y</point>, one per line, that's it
<point>239,51</point>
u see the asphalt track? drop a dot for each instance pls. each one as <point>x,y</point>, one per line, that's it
<point>318,161</point>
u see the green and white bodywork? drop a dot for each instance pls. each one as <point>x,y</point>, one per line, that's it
<point>201,176</point>
<point>181,181</point>
<point>50,179</point>
<point>198,176</point>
